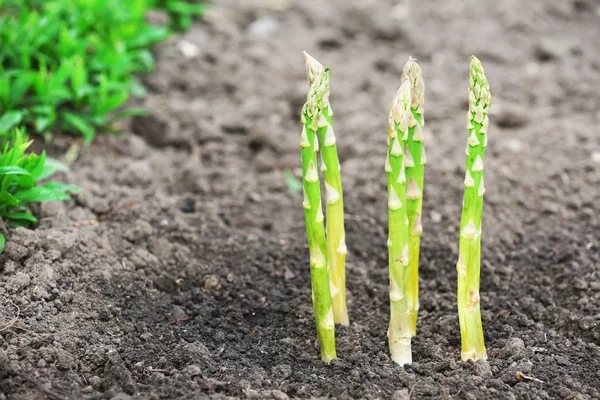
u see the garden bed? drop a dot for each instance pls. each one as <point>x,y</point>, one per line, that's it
<point>182,272</point>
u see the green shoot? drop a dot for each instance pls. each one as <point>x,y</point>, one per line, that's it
<point>181,12</point>
<point>19,174</point>
<point>71,65</point>
<point>415,161</point>
<point>400,120</point>
<point>334,198</point>
<point>468,265</point>
<point>317,103</point>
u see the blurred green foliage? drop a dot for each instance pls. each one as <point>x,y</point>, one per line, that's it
<point>181,12</point>
<point>19,175</point>
<point>69,65</point>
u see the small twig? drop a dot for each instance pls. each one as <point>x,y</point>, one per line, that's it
<point>180,320</point>
<point>85,222</point>
<point>497,316</point>
<point>521,376</point>
<point>412,390</point>
<point>12,321</point>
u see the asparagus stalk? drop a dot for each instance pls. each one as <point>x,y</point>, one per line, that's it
<point>468,265</point>
<point>415,167</point>
<point>336,243</point>
<point>399,333</point>
<point>316,102</point>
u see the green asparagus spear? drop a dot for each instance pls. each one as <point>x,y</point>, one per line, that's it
<point>316,103</point>
<point>468,264</point>
<point>399,333</point>
<point>415,167</point>
<point>336,244</point>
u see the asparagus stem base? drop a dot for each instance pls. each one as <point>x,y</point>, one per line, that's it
<point>469,311</point>
<point>414,243</point>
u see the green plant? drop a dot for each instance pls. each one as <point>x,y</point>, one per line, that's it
<point>317,103</point>
<point>181,12</point>
<point>70,65</point>
<point>399,333</point>
<point>414,160</point>
<point>19,175</point>
<point>468,265</point>
<point>334,198</point>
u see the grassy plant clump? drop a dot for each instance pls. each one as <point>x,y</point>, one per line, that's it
<point>20,174</point>
<point>468,265</point>
<point>70,65</point>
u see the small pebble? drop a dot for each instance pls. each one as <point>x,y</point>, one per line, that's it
<point>211,282</point>
<point>188,49</point>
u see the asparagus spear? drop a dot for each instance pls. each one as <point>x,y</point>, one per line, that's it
<point>336,243</point>
<point>399,333</point>
<point>415,167</point>
<point>316,102</point>
<point>468,264</point>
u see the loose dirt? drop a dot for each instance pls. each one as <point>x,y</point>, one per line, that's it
<point>182,272</point>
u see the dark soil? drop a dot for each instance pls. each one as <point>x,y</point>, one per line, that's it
<point>182,272</point>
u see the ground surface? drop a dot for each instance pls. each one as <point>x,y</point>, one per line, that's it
<point>182,272</point>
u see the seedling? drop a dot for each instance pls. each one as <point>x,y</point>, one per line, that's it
<point>334,197</point>
<point>19,174</point>
<point>414,161</point>
<point>468,265</point>
<point>399,121</point>
<point>313,118</point>
<point>181,12</point>
<point>70,65</point>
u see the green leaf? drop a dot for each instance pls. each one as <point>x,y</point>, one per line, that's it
<point>11,119</point>
<point>12,223</point>
<point>44,122</point>
<point>7,199</point>
<point>186,8</point>
<point>2,242</point>
<point>13,170</point>
<point>148,35</point>
<point>51,166</point>
<point>130,112</point>
<point>62,187</point>
<point>79,79</point>
<point>137,89</point>
<point>78,123</point>
<point>40,194</point>
<point>113,102</point>
<point>145,60</point>
<point>22,216</point>
<point>293,184</point>
<point>19,87</point>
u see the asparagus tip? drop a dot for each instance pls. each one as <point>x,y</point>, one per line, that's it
<point>313,67</point>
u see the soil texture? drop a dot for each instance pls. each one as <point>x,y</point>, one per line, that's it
<point>182,271</point>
